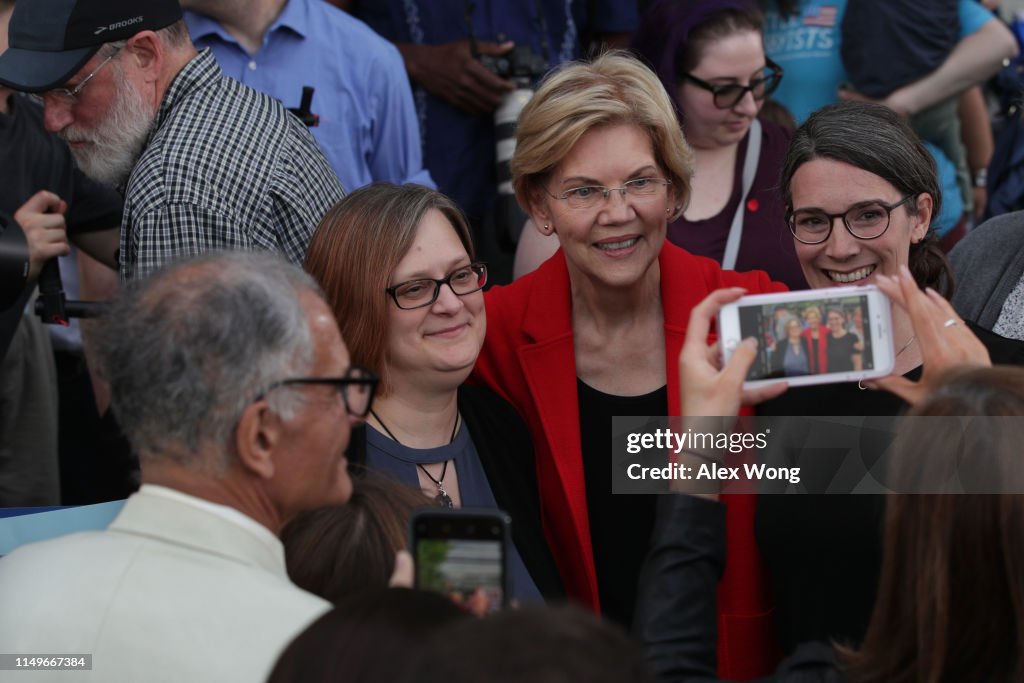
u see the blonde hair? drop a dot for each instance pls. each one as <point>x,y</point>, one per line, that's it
<point>811,310</point>
<point>615,88</point>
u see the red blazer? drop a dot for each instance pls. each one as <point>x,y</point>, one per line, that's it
<point>528,358</point>
<point>817,349</point>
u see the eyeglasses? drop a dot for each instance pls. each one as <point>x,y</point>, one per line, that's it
<point>728,95</point>
<point>356,388</point>
<point>424,292</point>
<point>864,221</point>
<point>70,97</point>
<point>592,196</point>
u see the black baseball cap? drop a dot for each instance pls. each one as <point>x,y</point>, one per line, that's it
<point>50,40</point>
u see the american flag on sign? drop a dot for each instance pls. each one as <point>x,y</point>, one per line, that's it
<point>822,16</point>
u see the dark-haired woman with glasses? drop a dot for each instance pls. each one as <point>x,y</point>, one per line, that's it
<point>397,266</point>
<point>862,195</point>
<point>709,55</point>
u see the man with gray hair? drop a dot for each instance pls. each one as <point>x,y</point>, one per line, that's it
<point>205,162</point>
<point>229,376</point>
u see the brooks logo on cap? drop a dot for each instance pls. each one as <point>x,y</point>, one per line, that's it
<point>119,24</point>
<point>50,40</point>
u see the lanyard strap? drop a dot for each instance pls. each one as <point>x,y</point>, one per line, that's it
<point>732,245</point>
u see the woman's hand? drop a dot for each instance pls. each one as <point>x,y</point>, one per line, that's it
<point>945,341</point>
<point>705,387</point>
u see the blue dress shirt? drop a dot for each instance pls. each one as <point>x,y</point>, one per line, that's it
<point>368,128</point>
<point>459,147</point>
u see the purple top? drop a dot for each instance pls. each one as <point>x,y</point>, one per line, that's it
<point>767,243</point>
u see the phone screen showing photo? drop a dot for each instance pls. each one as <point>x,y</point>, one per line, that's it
<point>462,569</point>
<point>812,337</point>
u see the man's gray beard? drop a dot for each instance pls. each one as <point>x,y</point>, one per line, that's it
<point>118,141</point>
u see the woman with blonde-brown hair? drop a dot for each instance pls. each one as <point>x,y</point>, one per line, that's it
<point>594,332</point>
<point>709,56</point>
<point>399,270</point>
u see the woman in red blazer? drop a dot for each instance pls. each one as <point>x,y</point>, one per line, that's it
<point>596,331</point>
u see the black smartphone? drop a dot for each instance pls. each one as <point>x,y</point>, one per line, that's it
<point>462,553</point>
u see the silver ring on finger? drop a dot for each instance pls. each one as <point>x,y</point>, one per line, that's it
<point>952,322</point>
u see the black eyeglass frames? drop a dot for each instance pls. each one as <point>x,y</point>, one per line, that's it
<point>865,221</point>
<point>728,95</point>
<point>424,291</point>
<point>356,388</point>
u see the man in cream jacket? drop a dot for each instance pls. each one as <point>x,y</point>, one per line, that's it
<point>229,376</point>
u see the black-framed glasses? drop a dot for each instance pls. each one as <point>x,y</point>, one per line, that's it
<point>356,388</point>
<point>865,221</point>
<point>68,96</point>
<point>424,291</point>
<point>592,196</point>
<point>728,95</point>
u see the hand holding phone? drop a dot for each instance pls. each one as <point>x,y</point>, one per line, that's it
<point>945,340</point>
<point>709,387</point>
<point>462,553</point>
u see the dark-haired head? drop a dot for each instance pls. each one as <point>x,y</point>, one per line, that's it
<point>951,575</point>
<point>993,391</point>
<point>672,35</point>
<point>368,638</point>
<point>875,139</point>
<point>336,552</point>
<point>538,644</point>
<point>709,55</point>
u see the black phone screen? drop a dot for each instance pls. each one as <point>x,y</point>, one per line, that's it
<point>461,555</point>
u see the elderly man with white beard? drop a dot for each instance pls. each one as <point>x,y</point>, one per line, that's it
<point>204,162</point>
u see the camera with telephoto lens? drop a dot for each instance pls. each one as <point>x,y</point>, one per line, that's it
<point>520,63</point>
<point>524,67</point>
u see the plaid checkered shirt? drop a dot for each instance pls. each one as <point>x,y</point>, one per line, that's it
<point>226,167</point>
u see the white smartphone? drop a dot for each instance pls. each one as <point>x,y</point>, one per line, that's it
<point>815,336</point>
